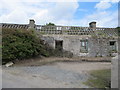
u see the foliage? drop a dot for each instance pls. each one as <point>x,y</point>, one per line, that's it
<point>20,44</point>
<point>50,24</point>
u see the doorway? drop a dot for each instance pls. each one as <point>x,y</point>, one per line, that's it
<point>59,45</point>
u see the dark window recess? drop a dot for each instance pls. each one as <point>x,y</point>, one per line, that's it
<point>59,45</point>
<point>112,45</point>
<point>112,42</point>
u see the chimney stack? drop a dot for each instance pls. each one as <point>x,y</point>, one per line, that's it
<point>31,24</point>
<point>92,24</point>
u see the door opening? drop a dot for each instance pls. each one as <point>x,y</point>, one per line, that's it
<point>59,45</point>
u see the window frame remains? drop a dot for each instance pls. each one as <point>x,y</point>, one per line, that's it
<point>84,46</point>
<point>112,45</point>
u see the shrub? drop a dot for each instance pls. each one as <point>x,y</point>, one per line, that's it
<point>20,44</point>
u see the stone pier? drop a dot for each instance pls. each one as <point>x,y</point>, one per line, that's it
<point>114,72</point>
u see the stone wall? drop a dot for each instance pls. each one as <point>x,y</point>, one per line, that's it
<point>96,46</point>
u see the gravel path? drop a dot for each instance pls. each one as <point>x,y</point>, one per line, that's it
<point>57,75</point>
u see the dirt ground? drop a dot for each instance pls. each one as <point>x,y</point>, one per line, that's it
<point>54,75</point>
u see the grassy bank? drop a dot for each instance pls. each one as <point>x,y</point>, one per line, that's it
<point>99,79</point>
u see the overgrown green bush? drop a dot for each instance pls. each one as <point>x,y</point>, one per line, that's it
<point>20,44</point>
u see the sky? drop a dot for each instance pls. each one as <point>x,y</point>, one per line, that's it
<point>62,12</point>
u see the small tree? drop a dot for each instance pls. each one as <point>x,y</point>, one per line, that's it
<point>50,24</point>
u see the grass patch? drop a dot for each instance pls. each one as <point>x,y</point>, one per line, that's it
<point>99,79</point>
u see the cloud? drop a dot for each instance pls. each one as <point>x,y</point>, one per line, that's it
<point>103,19</point>
<point>14,12</point>
<point>60,13</point>
<point>114,1</point>
<point>15,17</point>
<point>103,5</point>
<point>42,12</point>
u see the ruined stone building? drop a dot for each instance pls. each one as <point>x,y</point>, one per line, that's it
<point>81,41</point>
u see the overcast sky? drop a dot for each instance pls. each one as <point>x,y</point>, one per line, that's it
<point>72,12</point>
